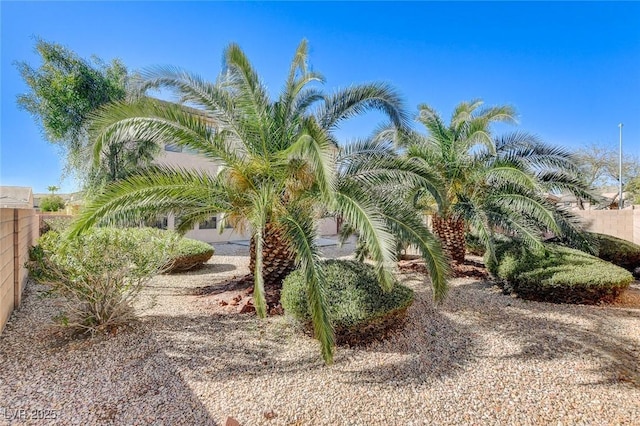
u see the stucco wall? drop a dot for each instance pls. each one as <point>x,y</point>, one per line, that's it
<point>18,232</point>
<point>187,161</point>
<point>623,224</point>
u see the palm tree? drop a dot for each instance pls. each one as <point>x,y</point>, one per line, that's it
<point>278,170</point>
<point>492,184</point>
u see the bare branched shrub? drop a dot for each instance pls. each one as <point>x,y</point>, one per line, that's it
<point>100,273</point>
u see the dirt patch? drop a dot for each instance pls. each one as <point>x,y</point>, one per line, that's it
<point>235,296</point>
<point>468,269</point>
<point>630,298</point>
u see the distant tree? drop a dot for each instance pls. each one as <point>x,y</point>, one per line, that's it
<point>52,189</point>
<point>63,94</point>
<point>51,203</point>
<point>600,165</point>
<point>633,189</point>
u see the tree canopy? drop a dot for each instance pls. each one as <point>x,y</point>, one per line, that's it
<point>64,92</point>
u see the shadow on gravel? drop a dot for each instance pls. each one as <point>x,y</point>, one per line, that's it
<point>117,379</point>
<point>543,337</point>
<point>217,347</point>
<point>207,268</point>
<point>429,347</point>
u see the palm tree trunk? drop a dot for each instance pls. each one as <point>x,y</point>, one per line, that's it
<point>277,259</point>
<point>450,230</point>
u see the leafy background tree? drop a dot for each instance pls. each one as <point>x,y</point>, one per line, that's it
<point>600,165</point>
<point>52,203</point>
<point>64,91</point>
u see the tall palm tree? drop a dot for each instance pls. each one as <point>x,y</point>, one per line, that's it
<point>278,170</point>
<point>492,184</point>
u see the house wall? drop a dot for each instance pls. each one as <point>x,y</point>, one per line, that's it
<point>326,227</point>
<point>213,236</point>
<point>187,161</point>
<point>18,232</point>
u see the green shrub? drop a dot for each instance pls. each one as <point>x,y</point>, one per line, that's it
<point>359,309</point>
<point>51,203</point>
<point>558,274</point>
<point>100,273</point>
<point>618,251</point>
<point>190,254</point>
<point>56,223</point>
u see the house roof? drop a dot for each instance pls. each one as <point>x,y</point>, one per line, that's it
<point>13,197</point>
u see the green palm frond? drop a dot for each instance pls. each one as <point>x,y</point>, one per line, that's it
<point>156,190</point>
<point>533,207</point>
<point>356,100</point>
<point>261,211</point>
<point>162,123</point>
<point>314,147</point>
<point>503,174</point>
<point>300,232</point>
<point>406,224</point>
<point>210,99</point>
<point>278,165</point>
<point>514,225</point>
<point>356,206</point>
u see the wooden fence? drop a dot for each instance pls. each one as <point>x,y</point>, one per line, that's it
<point>18,232</point>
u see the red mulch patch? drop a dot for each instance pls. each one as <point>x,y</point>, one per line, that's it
<point>468,269</point>
<point>236,296</point>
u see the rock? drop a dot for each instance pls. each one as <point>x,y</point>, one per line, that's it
<point>270,414</point>
<point>231,422</point>
<point>276,310</point>
<point>246,306</point>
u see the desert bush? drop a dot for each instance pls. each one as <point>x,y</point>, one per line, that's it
<point>557,274</point>
<point>359,309</point>
<point>56,223</point>
<point>100,273</point>
<point>618,251</point>
<point>51,203</point>
<point>189,254</point>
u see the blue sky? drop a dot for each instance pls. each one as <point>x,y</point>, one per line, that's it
<point>572,70</point>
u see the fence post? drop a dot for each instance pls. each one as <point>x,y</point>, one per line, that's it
<point>16,258</point>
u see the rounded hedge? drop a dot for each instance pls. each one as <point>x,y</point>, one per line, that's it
<point>190,254</point>
<point>186,253</point>
<point>359,309</point>
<point>558,274</point>
<point>618,251</point>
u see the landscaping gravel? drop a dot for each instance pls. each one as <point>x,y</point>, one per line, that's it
<point>479,358</point>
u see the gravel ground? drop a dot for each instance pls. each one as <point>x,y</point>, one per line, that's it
<point>479,358</point>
